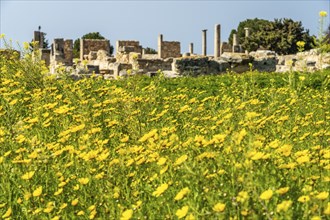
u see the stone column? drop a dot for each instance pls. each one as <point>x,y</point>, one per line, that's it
<point>160,42</point>
<point>204,42</point>
<point>81,49</point>
<point>191,48</point>
<point>247,32</point>
<point>247,35</point>
<point>235,43</point>
<point>217,41</point>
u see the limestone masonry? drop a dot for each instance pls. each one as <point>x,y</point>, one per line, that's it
<point>130,58</point>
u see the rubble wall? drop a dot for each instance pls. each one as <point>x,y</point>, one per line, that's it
<point>154,65</point>
<point>88,45</point>
<point>128,46</point>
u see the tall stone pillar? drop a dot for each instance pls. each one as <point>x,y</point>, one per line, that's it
<point>191,48</point>
<point>81,49</point>
<point>247,35</point>
<point>160,42</point>
<point>247,32</point>
<point>235,44</point>
<point>204,42</point>
<point>217,41</point>
<point>39,37</point>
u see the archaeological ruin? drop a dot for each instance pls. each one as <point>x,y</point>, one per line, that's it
<point>131,58</point>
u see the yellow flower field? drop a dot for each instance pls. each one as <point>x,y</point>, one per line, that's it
<point>250,146</point>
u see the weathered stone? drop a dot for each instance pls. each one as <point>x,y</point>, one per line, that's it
<point>92,55</point>
<point>264,60</point>
<point>93,69</point>
<point>193,66</point>
<point>283,68</point>
<point>170,74</point>
<point>236,58</point>
<point>45,56</point>
<point>128,46</point>
<point>102,55</point>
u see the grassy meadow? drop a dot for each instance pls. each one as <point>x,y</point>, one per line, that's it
<point>233,146</point>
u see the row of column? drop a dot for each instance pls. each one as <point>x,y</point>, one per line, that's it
<point>217,41</point>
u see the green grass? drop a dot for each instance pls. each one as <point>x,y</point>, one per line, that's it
<point>248,146</point>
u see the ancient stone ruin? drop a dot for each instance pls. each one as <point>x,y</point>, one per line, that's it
<point>130,58</point>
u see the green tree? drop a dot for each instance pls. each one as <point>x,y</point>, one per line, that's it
<point>91,35</point>
<point>280,35</point>
<point>149,50</point>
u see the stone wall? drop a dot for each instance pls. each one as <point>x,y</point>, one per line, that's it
<point>226,47</point>
<point>88,45</point>
<point>127,46</point>
<point>148,65</point>
<point>196,65</point>
<point>68,52</point>
<point>45,56</point>
<point>309,61</point>
<point>62,52</point>
<point>170,49</point>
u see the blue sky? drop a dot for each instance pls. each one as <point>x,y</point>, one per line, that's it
<point>145,20</point>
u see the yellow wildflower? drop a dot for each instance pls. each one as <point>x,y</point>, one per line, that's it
<point>81,213</point>
<point>219,207</point>
<point>323,13</point>
<point>162,188</point>
<point>190,217</point>
<point>322,196</point>
<point>266,195</point>
<point>180,160</point>
<point>28,175</point>
<point>284,206</point>
<point>180,213</point>
<point>327,209</point>
<point>303,159</point>
<point>7,213</point>
<point>242,196</point>
<point>126,215</point>
<point>182,193</point>
<point>161,161</point>
<point>83,181</point>
<point>257,155</point>
<point>285,150</point>
<point>48,209</point>
<point>283,190</point>
<point>303,199</point>
<point>37,192</point>
<point>300,44</point>
<point>58,192</point>
<point>74,202</point>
